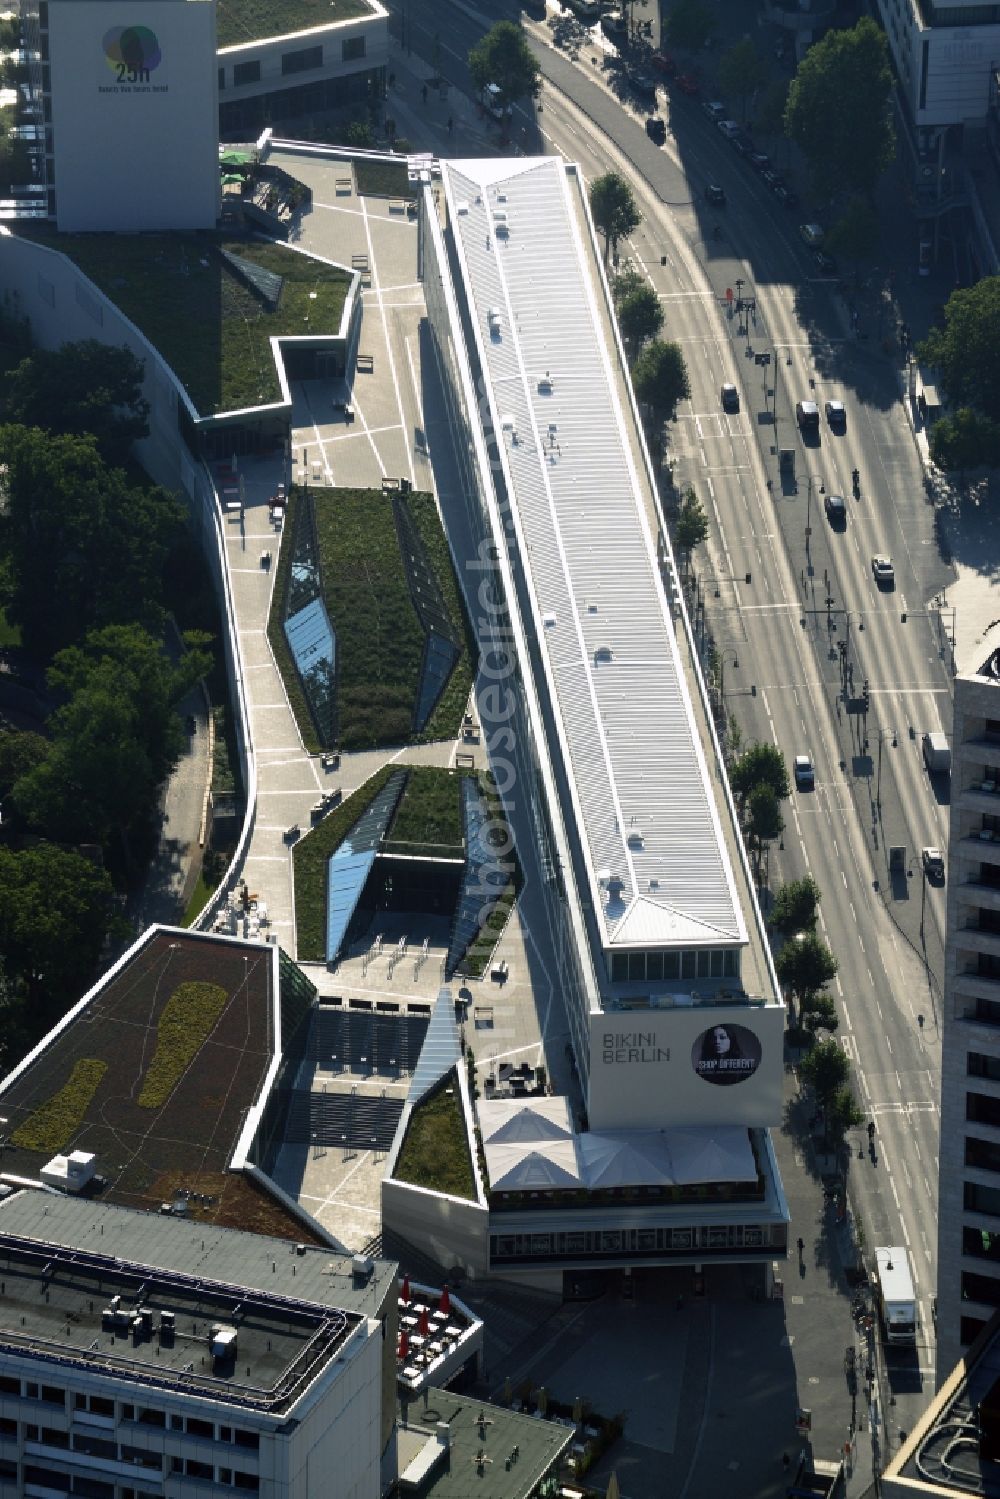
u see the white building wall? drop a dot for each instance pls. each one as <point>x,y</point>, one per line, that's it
<point>134,114</point>
<point>944,71</point>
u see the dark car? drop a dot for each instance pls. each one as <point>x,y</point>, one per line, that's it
<point>664,63</point>
<point>824,261</point>
<point>688,84</point>
<point>786,196</point>
<point>656,129</point>
<point>772,178</point>
<point>742,143</point>
<point>730,398</point>
<point>642,82</point>
<point>715,195</point>
<point>759,160</point>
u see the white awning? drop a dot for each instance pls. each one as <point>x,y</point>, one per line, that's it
<point>509,1121</point>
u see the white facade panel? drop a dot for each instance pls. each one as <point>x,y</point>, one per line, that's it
<point>134,114</point>
<point>703,1065</point>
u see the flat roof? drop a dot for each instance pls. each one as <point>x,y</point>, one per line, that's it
<point>476,1429</point>
<point>97,1061</point>
<point>64,1262</point>
<point>647,821</point>
<point>240,21</point>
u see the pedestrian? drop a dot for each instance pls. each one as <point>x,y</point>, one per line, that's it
<point>800,1245</point>
<point>451,124</point>
<point>786,1461</point>
<point>423,93</point>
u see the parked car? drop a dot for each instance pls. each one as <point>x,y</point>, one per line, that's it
<point>825,262</point>
<point>883,572</point>
<point>714,109</point>
<point>688,84</point>
<point>741,143</point>
<point>715,195</point>
<point>656,129</point>
<point>772,178</point>
<point>642,82</point>
<point>663,63</point>
<point>807,416</point>
<point>759,160</point>
<point>730,398</point>
<point>614,24</point>
<point>813,234</point>
<point>933,863</point>
<point>729,128</point>
<point>786,196</point>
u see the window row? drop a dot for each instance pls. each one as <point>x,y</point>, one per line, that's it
<point>659,964</point>
<point>637,1241</point>
<point>302,60</point>
<point>101,1405</point>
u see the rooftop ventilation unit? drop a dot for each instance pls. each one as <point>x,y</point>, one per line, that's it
<point>495,319</point>
<point>548,620</point>
<point>545,385</point>
<point>635,839</point>
<point>500,226</point>
<point>222,1340</point>
<point>361,1269</point>
<point>603,876</point>
<point>604,653</point>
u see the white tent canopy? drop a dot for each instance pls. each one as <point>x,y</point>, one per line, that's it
<point>532,1146</point>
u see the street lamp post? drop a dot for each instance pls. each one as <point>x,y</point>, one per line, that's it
<point>813,479</point>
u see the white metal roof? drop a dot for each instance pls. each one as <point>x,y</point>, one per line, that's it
<point>658,866</point>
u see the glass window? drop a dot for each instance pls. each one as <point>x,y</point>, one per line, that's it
<point>196,1469</point>
<point>222,79</point>
<point>980,1108</point>
<point>729,963</point>
<point>99,1405</point>
<point>45,1478</point>
<point>302,61</point>
<point>245,72</point>
<point>55,1438</point>
<point>971,1327</point>
<point>717,963</point>
<point>352,48</point>
<point>245,1480</point>
<point>689,965</point>
<point>982,1154</point>
<point>979,1199</point>
<point>619,967</point>
<point>199,1428</point>
<point>637,965</point>
<point>246,1438</point>
<point>654,965</point>
<point>980,1288</point>
<point>9,1385</point>
<point>704,964</point>
<point>671,965</point>
<point>980,1065</point>
<point>8,1429</point>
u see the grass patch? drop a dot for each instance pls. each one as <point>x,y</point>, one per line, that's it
<point>52,1126</point>
<point>383,179</point>
<point>477,959</point>
<point>210,328</point>
<point>200,897</point>
<point>447,716</point>
<point>309,866</point>
<point>428,820</point>
<point>188,1017</point>
<point>379,640</point>
<point>435,1149</point>
<point>248,20</point>
<point>276,629</point>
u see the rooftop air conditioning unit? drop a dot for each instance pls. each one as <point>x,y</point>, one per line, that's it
<point>635,839</point>
<point>223,1341</point>
<point>603,653</point>
<point>500,226</point>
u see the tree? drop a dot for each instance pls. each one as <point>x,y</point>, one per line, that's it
<point>796,906</point>
<point>818,1012</point>
<point>839,109</point>
<point>842,1113</point>
<point>759,764</point>
<point>827,1070</point>
<point>20,749</point>
<point>691,527</point>
<point>83,546</point>
<point>804,965</point>
<point>965,440</point>
<point>689,24</point>
<point>82,388</point>
<point>742,72</point>
<point>504,59</point>
<point>55,910</point>
<point>855,234</point>
<point>764,819</point>
<point>614,210</point>
<point>114,740</point>
<point>660,379</point>
<point>640,315</point>
<point>966,350</point>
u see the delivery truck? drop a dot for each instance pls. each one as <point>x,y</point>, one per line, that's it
<point>937,753</point>
<point>897,1302</point>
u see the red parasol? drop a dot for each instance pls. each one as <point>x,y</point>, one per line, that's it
<point>405,1293</point>
<point>425,1323</point>
<point>404,1345</point>
<point>444,1305</point>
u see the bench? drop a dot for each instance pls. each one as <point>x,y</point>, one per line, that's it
<point>292,833</point>
<point>499,973</point>
<point>330,762</point>
<point>365,364</point>
<point>395,486</point>
<point>343,185</point>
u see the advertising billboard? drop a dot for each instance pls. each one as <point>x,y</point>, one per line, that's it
<point>134,92</point>
<point>688,1065</point>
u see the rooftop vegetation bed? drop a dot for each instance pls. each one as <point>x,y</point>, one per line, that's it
<point>383,179</point>
<point>239,21</point>
<point>435,1149</point>
<point>309,862</point>
<point>276,627</point>
<point>187,1020</point>
<point>206,322</point>
<point>451,705</point>
<point>428,820</point>
<point>50,1127</point>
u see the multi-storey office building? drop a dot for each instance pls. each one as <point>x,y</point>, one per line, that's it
<point>945,54</point>
<point>969,1181</point>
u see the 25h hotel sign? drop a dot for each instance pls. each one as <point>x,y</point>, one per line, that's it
<point>133,57</point>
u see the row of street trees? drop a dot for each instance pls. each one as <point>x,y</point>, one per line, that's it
<point>85,548</point>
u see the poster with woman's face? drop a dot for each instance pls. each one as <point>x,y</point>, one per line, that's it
<point>726,1054</point>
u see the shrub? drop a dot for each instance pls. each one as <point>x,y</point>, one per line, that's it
<point>53,1125</point>
<point>187,1019</point>
<point>309,862</point>
<point>435,1149</point>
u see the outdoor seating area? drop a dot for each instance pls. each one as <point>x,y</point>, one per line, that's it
<point>243,915</point>
<point>521,1081</point>
<point>438,1335</point>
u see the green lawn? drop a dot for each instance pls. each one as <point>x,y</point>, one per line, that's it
<point>428,820</point>
<point>54,1123</point>
<point>186,1021</point>
<point>435,1149</point>
<point>383,179</point>
<point>309,862</point>
<point>248,20</point>
<point>444,721</point>
<point>9,634</point>
<point>210,328</point>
